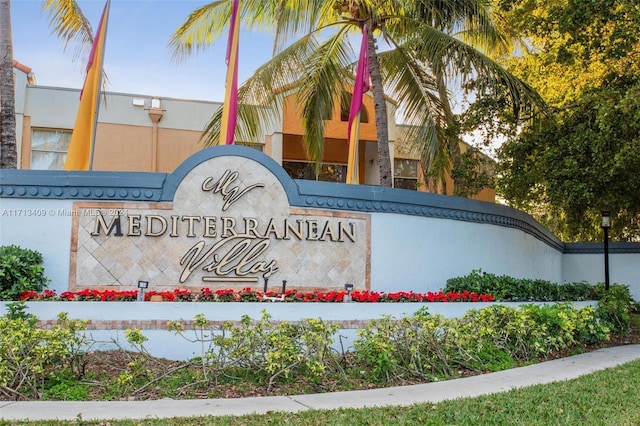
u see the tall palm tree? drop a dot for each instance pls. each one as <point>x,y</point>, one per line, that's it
<point>70,25</point>
<point>313,56</point>
<point>8,156</point>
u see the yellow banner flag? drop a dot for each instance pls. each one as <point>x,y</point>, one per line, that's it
<point>82,138</point>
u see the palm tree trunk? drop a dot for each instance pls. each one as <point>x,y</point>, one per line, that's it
<point>452,141</point>
<point>8,155</point>
<point>382,124</point>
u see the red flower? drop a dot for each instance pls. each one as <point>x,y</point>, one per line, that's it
<point>247,294</point>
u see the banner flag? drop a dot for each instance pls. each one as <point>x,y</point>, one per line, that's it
<point>230,107</point>
<point>80,153</point>
<point>360,86</point>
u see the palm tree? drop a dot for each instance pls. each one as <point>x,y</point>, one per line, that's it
<point>8,154</point>
<point>312,42</point>
<point>70,25</point>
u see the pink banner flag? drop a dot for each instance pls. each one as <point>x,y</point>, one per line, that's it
<point>230,107</point>
<point>360,86</point>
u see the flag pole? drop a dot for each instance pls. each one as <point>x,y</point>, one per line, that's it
<point>95,118</point>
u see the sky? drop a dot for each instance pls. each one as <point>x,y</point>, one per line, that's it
<point>137,59</point>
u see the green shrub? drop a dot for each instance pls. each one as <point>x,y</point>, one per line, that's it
<point>265,351</point>
<point>615,306</point>
<point>508,289</point>
<point>490,339</point>
<point>20,270</point>
<point>531,331</point>
<point>36,362</point>
<point>30,356</point>
<point>423,346</point>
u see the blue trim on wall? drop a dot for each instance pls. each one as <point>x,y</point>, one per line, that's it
<point>62,185</point>
<point>598,248</point>
<point>157,187</point>
<point>366,198</point>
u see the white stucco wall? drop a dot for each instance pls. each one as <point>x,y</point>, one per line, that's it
<point>42,225</point>
<point>420,254</point>
<point>417,241</point>
<point>407,252</point>
<point>623,269</point>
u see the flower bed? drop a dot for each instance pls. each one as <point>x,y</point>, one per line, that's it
<point>249,295</point>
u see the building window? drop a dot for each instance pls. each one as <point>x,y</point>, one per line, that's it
<point>49,148</point>
<point>405,174</point>
<point>307,171</point>
<point>256,146</point>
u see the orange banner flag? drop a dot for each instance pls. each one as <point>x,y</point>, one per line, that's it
<point>82,142</point>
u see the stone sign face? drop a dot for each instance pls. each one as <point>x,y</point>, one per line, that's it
<point>230,225</point>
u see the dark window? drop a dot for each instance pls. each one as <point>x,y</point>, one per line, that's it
<point>256,146</point>
<point>307,171</point>
<point>405,174</point>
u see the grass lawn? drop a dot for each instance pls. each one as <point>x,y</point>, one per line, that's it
<point>608,397</point>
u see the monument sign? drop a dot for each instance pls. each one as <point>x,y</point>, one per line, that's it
<point>229,225</point>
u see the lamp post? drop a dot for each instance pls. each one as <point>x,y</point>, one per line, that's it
<point>606,224</point>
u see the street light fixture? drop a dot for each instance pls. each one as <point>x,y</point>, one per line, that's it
<point>606,224</point>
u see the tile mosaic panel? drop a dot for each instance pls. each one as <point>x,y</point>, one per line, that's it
<point>230,225</point>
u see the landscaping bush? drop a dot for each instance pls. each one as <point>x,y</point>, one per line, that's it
<point>30,355</point>
<point>536,330</point>
<point>487,339</point>
<point>263,350</point>
<point>266,354</point>
<point>20,270</point>
<point>508,289</point>
<point>615,306</point>
<point>414,347</point>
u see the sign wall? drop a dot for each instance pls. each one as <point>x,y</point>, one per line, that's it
<point>230,225</point>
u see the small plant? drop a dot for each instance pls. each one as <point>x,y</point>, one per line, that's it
<point>615,306</point>
<point>263,351</point>
<point>65,386</point>
<point>29,356</point>
<point>20,270</point>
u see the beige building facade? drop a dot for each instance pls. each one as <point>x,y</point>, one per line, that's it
<point>156,134</point>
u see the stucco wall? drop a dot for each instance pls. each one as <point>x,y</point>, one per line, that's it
<point>588,265</point>
<point>42,225</point>
<point>417,240</point>
<point>425,252</point>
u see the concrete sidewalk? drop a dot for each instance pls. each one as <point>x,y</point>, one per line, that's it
<point>546,372</point>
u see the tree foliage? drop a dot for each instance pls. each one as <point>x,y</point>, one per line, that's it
<point>584,59</point>
<point>418,46</point>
